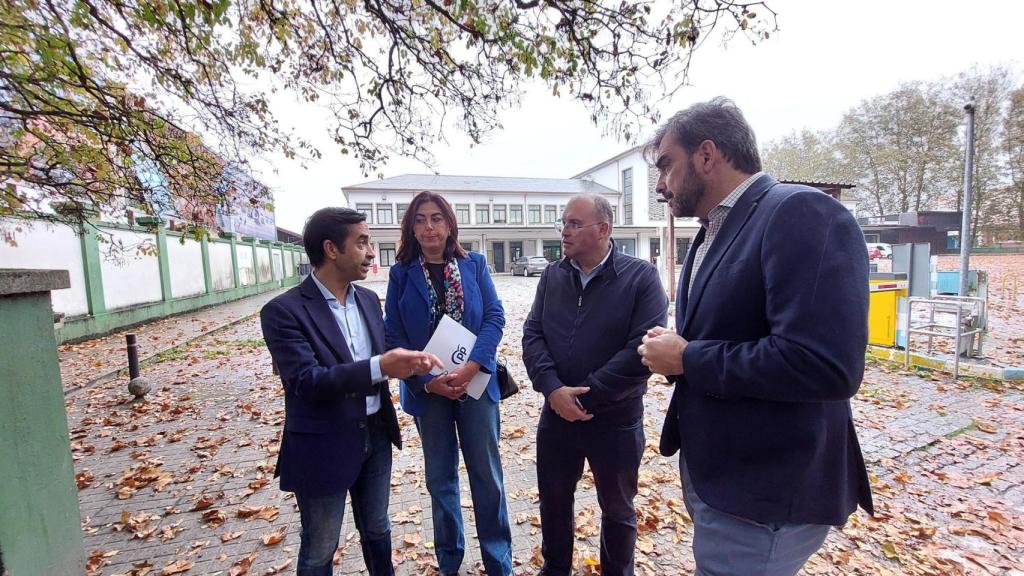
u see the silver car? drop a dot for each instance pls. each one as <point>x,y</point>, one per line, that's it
<point>529,265</point>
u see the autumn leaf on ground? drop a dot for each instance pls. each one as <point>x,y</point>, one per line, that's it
<point>84,478</point>
<point>278,568</point>
<point>214,517</point>
<point>177,567</point>
<point>273,538</point>
<point>987,479</point>
<point>985,426</point>
<point>204,503</point>
<point>170,531</point>
<point>229,536</point>
<point>241,567</point>
<point>268,513</point>
<point>413,539</point>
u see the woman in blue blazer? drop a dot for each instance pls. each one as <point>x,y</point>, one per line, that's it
<point>434,276</point>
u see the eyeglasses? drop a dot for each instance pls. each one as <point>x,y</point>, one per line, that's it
<point>572,225</point>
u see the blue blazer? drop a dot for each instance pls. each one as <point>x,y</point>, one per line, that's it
<point>777,328</point>
<point>407,320</point>
<point>325,390</point>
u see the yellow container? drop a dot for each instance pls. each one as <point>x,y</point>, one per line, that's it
<point>883,311</point>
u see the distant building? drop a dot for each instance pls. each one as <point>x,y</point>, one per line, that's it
<point>288,237</point>
<point>509,217</point>
<point>502,217</point>
<point>833,189</point>
<point>940,229</point>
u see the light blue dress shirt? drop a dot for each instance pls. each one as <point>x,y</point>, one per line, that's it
<point>357,336</point>
<point>586,277</point>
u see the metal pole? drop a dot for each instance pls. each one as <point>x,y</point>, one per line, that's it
<point>956,351</point>
<point>965,225</point>
<point>133,357</point>
<point>670,260</point>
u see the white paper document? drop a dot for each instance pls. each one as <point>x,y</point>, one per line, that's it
<point>452,343</point>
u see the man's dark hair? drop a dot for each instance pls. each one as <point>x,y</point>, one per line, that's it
<point>328,224</point>
<point>718,120</point>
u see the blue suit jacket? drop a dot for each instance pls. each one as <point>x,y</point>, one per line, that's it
<point>407,320</point>
<point>324,389</point>
<point>777,328</point>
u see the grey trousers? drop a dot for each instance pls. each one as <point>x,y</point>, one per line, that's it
<point>728,545</point>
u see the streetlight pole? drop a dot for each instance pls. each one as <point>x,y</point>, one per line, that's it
<point>965,224</point>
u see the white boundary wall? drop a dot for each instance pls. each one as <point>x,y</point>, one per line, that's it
<point>186,266</point>
<point>135,279</point>
<point>43,246</point>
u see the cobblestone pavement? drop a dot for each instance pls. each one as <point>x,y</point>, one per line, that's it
<point>182,482</point>
<point>83,362</point>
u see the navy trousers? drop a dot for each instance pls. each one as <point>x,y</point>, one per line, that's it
<point>613,445</point>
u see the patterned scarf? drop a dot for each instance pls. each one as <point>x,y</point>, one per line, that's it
<point>452,292</point>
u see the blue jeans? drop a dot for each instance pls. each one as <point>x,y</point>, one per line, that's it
<point>728,545</point>
<point>321,517</point>
<point>443,425</point>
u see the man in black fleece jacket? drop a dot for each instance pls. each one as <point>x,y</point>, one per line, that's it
<point>580,341</point>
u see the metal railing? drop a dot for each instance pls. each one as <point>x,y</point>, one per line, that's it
<point>969,317</point>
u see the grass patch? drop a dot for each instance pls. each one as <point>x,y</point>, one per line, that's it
<point>250,343</point>
<point>972,427</point>
<point>169,355</point>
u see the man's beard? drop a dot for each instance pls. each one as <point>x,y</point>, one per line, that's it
<point>684,203</point>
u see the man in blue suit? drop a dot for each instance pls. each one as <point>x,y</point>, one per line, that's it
<point>326,337</point>
<point>771,328</point>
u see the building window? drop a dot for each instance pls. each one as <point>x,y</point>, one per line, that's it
<point>386,254</point>
<point>483,214</point>
<point>553,250</point>
<point>550,213</point>
<point>401,212</point>
<point>462,213</point>
<point>467,246</point>
<point>367,210</point>
<point>682,246</point>
<point>534,214</point>
<point>515,214</point>
<point>499,214</point>
<point>384,214</point>
<point>627,196</point>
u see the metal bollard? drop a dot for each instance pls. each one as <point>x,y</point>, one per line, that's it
<point>133,357</point>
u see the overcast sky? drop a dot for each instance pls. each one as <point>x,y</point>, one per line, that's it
<point>827,56</point>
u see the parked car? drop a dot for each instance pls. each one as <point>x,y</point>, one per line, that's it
<point>884,249</point>
<point>529,265</point>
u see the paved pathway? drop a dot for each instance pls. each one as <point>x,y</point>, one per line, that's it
<point>184,478</point>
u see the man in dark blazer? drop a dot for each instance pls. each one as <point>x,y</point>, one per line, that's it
<point>771,329</point>
<point>326,337</point>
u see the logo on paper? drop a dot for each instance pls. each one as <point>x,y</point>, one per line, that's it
<point>459,355</point>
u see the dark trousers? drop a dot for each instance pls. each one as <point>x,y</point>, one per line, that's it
<point>613,445</point>
<point>321,516</point>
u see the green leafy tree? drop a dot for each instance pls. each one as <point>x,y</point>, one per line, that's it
<point>901,148</point>
<point>1013,144</point>
<point>989,89</point>
<point>121,102</point>
<point>806,156</point>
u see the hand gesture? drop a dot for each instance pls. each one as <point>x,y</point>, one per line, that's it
<point>402,363</point>
<point>662,352</point>
<point>463,374</point>
<point>565,403</point>
<point>442,386</point>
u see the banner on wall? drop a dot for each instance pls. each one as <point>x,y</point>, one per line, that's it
<point>245,214</point>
